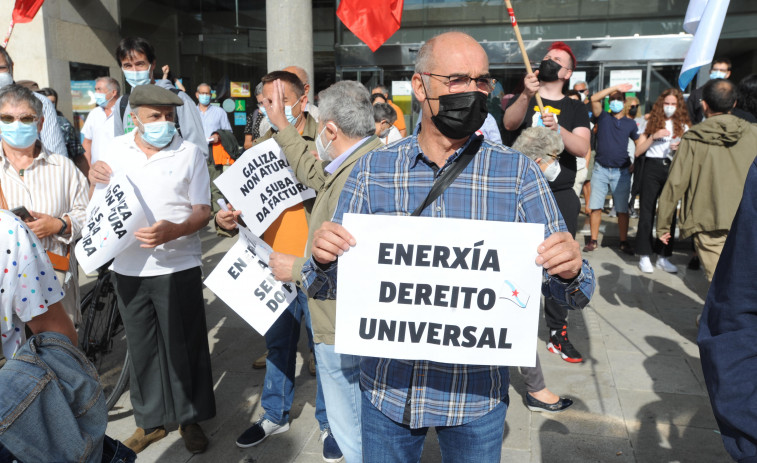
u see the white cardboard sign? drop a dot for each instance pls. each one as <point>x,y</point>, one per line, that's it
<point>114,216</point>
<point>627,76</point>
<point>262,185</point>
<point>245,283</point>
<point>445,290</point>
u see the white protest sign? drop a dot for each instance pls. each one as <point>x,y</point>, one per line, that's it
<point>256,245</point>
<point>113,218</point>
<point>245,284</point>
<point>262,185</point>
<point>627,76</point>
<point>446,290</point>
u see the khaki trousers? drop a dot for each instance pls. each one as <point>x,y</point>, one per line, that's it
<point>709,245</point>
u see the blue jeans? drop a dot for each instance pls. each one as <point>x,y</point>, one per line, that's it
<point>281,342</point>
<point>615,179</point>
<point>52,406</point>
<point>340,376</point>
<point>386,441</point>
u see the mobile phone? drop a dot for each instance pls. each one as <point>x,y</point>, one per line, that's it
<point>23,214</point>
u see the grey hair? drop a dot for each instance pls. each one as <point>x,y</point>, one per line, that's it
<point>259,88</point>
<point>348,104</point>
<point>207,85</point>
<point>111,83</point>
<point>384,112</point>
<point>580,82</point>
<point>15,94</point>
<point>425,58</point>
<point>8,60</point>
<point>539,142</point>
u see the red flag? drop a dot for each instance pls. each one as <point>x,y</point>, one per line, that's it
<point>25,10</point>
<point>372,21</point>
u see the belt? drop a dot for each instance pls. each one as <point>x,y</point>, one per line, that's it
<point>663,161</point>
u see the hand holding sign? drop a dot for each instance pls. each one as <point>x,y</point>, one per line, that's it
<point>281,266</point>
<point>560,255</point>
<point>330,241</point>
<point>100,172</point>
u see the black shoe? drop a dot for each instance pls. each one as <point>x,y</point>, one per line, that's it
<point>592,245</point>
<point>560,344</point>
<point>626,248</point>
<point>256,433</point>
<point>694,263</point>
<point>536,405</point>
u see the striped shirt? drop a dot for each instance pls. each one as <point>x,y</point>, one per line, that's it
<point>51,133</point>
<point>499,184</point>
<point>52,185</point>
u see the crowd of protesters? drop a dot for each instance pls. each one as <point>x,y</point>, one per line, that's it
<point>368,408</point>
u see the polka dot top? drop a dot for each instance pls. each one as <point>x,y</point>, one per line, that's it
<point>27,281</point>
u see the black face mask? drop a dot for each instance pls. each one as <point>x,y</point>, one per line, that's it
<point>460,114</point>
<point>548,70</point>
<point>632,112</point>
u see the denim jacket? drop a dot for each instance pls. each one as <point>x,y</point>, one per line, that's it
<point>52,407</point>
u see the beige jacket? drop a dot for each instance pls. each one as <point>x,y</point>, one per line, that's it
<point>310,171</point>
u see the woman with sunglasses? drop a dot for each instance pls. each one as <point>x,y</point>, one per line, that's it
<point>661,135</point>
<point>45,189</point>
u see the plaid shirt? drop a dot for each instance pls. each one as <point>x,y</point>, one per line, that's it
<point>499,184</point>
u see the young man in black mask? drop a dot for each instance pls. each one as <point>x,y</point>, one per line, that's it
<point>571,120</point>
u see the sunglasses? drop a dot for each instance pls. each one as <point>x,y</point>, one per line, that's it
<point>27,119</point>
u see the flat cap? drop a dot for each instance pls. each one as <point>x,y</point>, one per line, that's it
<point>152,95</point>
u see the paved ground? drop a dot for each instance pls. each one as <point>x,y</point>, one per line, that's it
<point>639,395</point>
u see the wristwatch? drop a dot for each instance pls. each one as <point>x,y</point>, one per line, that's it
<point>64,227</point>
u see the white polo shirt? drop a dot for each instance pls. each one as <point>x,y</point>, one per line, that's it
<point>169,183</point>
<point>99,128</point>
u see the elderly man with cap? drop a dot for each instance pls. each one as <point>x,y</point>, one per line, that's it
<point>158,278</point>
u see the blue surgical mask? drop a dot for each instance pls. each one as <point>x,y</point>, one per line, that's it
<point>287,111</point>
<point>204,99</point>
<point>19,135</point>
<point>717,75</point>
<point>158,134</point>
<point>136,78</point>
<point>101,100</point>
<point>616,106</point>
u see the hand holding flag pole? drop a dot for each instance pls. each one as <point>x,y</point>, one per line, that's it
<point>523,50</point>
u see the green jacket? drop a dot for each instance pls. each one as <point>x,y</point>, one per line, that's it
<point>708,172</point>
<point>310,171</point>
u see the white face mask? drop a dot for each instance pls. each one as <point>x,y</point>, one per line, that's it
<point>582,96</point>
<point>669,110</point>
<point>5,79</point>
<point>552,171</point>
<point>323,151</point>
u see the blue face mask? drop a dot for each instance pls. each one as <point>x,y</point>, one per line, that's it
<point>100,99</point>
<point>19,135</point>
<point>616,106</point>
<point>158,134</point>
<point>135,78</point>
<point>717,75</point>
<point>287,111</point>
<point>204,99</point>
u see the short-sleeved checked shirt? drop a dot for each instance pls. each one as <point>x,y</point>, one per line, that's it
<point>499,184</point>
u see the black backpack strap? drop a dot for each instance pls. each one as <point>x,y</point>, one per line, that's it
<point>449,176</point>
<point>122,106</point>
<point>176,92</point>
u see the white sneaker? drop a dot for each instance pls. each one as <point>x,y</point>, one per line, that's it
<point>612,212</point>
<point>645,265</point>
<point>664,264</point>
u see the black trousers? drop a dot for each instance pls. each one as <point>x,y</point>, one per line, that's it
<point>164,318</point>
<point>653,178</point>
<point>556,314</point>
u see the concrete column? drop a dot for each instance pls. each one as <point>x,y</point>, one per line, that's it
<point>289,35</point>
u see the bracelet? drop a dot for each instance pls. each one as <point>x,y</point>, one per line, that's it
<point>63,228</point>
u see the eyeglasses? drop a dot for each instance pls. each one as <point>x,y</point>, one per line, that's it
<point>556,157</point>
<point>458,83</point>
<point>586,90</point>
<point>27,119</point>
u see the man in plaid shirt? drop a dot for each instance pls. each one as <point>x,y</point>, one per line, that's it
<point>466,403</point>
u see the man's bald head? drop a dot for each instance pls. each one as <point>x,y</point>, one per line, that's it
<point>300,73</point>
<point>448,43</point>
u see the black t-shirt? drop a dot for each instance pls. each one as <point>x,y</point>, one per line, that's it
<point>570,114</point>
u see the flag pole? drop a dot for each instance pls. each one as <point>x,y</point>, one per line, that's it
<point>523,49</point>
<point>8,35</point>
